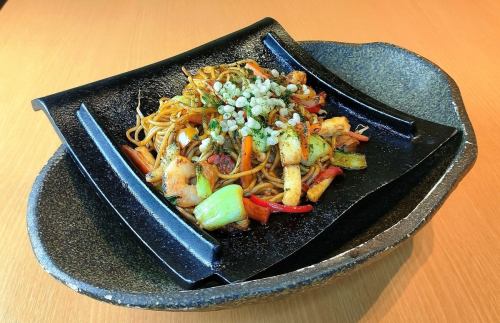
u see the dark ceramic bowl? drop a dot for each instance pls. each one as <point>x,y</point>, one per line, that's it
<point>82,243</point>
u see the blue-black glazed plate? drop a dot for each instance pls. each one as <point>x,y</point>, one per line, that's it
<point>82,243</point>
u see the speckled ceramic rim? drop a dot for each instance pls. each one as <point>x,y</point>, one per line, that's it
<point>242,293</point>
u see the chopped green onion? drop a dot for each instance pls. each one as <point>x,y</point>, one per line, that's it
<point>213,125</point>
<point>210,100</point>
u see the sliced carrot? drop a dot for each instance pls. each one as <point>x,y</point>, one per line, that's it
<point>303,132</point>
<point>197,118</point>
<point>256,69</point>
<point>256,212</point>
<point>246,160</point>
<point>314,128</point>
<point>358,136</point>
<point>137,159</point>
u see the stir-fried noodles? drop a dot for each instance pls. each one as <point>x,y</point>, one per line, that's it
<point>241,142</point>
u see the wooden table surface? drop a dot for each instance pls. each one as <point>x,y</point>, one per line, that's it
<point>449,271</point>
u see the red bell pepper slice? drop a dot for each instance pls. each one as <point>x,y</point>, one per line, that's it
<point>136,159</point>
<point>315,104</point>
<point>314,108</point>
<point>278,207</point>
<point>256,212</point>
<point>328,173</point>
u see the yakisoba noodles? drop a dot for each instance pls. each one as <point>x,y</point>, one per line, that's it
<point>241,142</point>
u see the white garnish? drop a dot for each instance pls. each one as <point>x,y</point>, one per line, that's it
<point>228,108</point>
<point>217,86</point>
<point>294,120</point>
<point>305,89</point>
<point>257,110</point>
<point>272,141</point>
<point>253,124</point>
<point>280,124</point>
<point>241,102</point>
<point>205,143</point>
<point>224,125</point>
<point>243,131</point>
<point>291,87</point>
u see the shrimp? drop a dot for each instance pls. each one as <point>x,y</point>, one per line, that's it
<point>296,77</point>
<point>176,181</point>
<point>156,174</point>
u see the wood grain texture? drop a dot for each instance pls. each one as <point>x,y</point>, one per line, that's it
<point>450,271</point>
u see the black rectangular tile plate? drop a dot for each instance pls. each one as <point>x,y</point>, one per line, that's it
<point>92,120</point>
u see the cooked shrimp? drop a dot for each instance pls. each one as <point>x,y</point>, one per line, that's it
<point>297,77</point>
<point>177,176</point>
<point>155,176</point>
<point>176,182</point>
